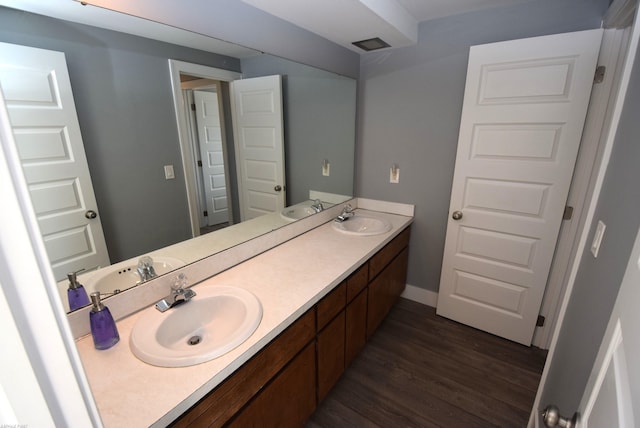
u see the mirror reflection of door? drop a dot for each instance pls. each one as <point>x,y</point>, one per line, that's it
<point>205,119</point>
<point>43,116</point>
<point>259,145</point>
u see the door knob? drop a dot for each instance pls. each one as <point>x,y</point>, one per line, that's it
<point>277,188</point>
<point>91,214</point>
<point>551,418</point>
<point>457,215</point>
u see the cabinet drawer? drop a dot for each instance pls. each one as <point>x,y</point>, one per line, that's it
<point>229,397</point>
<point>331,305</point>
<point>357,281</point>
<point>388,253</point>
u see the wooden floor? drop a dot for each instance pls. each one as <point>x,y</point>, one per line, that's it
<point>421,370</point>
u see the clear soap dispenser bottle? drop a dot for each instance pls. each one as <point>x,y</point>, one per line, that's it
<point>76,293</point>
<point>103,327</point>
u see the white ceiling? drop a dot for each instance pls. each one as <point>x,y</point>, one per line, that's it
<point>347,21</point>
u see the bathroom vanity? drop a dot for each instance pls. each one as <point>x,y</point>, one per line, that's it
<point>323,295</point>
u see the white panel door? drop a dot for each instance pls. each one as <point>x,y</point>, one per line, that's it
<point>613,389</point>
<point>524,108</point>
<point>213,157</point>
<point>259,139</point>
<point>43,116</point>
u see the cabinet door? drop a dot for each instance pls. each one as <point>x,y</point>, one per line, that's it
<point>385,290</point>
<point>331,343</point>
<point>356,327</point>
<point>289,400</point>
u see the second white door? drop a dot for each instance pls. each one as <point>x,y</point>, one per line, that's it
<point>524,108</point>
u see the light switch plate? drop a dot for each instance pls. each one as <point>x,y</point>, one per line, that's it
<point>597,238</point>
<point>169,174</point>
<point>326,169</point>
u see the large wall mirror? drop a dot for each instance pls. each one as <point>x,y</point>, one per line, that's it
<point>145,146</point>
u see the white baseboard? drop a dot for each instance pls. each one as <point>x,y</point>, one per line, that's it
<point>420,295</point>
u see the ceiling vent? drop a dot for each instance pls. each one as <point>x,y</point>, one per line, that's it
<point>372,44</point>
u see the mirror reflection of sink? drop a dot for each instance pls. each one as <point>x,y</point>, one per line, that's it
<point>363,225</point>
<point>215,321</point>
<point>121,276</point>
<point>297,212</point>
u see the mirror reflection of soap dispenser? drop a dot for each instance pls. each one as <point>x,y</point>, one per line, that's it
<point>103,327</point>
<point>76,293</point>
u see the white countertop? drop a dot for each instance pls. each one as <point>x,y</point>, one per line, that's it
<point>288,280</point>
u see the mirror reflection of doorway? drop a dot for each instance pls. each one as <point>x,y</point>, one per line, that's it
<point>203,99</point>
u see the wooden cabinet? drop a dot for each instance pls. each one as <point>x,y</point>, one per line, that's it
<point>330,348</point>
<point>289,400</point>
<point>356,327</point>
<point>282,384</point>
<point>228,398</point>
<point>385,289</point>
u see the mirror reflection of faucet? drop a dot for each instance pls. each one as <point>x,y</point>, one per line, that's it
<point>179,294</point>
<point>346,214</point>
<point>317,206</point>
<point>145,269</point>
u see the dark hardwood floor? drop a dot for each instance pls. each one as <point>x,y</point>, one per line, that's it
<point>421,370</point>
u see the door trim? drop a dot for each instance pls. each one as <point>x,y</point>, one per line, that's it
<point>592,149</point>
<point>175,68</point>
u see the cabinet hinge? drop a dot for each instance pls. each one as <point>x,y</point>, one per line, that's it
<point>599,76</point>
<point>540,321</point>
<point>205,213</point>
<point>568,213</point>
<point>193,106</point>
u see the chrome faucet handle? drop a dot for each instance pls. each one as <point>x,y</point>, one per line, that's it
<point>145,268</point>
<point>180,283</point>
<point>179,294</point>
<point>317,205</point>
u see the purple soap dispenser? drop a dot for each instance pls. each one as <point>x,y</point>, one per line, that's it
<point>103,327</point>
<point>76,293</point>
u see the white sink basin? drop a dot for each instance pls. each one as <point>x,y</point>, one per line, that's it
<point>296,212</point>
<point>122,276</point>
<point>363,225</point>
<point>215,321</point>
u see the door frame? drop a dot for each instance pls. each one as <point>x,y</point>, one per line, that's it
<point>596,180</point>
<point>592,153</point>
<point>175,68</point>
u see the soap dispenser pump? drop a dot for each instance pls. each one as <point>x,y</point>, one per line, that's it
<point>76,293</point>
<point>103,327</point>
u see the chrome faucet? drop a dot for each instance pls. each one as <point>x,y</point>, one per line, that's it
<point>347,212</point>
<point>317,205</point>
<point>145,269</point>
<point>179,294</point>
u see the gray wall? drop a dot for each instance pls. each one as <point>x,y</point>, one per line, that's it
<point>598,279</point>
<point>410,102</point>
<point>319,115</point>
<point>122,90</point>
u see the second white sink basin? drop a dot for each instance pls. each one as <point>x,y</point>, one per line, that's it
<point>215,321</point>
<point>296,212</point>
<point>363,225</point>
